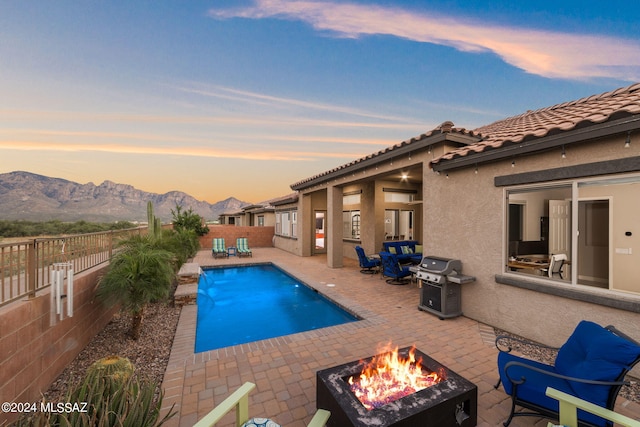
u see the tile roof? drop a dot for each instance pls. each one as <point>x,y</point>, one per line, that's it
<point>551,120</point>
<point>517,129</point>
<point>446,127</point>
<point>283,200</point>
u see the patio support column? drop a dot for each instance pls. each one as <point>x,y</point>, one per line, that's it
<point>306,225</point>
<point>368,223</point>
<point>334,227</point>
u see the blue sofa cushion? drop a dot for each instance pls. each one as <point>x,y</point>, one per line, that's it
<point>594,353</point>
<point>398,244</point>
<point>404,249</point>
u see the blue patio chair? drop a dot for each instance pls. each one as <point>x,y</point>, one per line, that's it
<point>242,246</point>
<point>368,265</point>
<point>219,248</point>
<point>391,268</point>
<point>591,365</point>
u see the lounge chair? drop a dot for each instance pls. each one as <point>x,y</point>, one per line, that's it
<point>591,365</point>
<point>368,265</point>
<point>219,248</point>
<point>391,268</point>
<point>239,400</point>
<point>242,247</point>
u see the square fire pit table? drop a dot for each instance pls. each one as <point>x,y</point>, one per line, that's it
<point>451,402</point>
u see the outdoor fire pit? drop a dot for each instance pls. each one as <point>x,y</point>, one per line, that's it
<point>367,392</point>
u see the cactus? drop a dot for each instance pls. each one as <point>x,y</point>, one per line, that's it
<point>113,368</point>
<point>155,225</point>
<point>114,396</point>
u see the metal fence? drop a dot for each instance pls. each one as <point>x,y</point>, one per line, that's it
<point>25,267</point>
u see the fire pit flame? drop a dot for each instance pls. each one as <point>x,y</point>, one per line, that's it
<point>389,377</point>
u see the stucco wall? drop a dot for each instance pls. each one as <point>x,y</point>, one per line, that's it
<point>257,237</point>
<point>464,217</point>
<point>32,352</point>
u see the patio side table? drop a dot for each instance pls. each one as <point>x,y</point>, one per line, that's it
<point>232,251</point>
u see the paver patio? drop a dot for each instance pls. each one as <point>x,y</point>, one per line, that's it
<point>284,368</point>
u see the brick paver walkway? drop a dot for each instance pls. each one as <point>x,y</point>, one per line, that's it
<point>284,368</point>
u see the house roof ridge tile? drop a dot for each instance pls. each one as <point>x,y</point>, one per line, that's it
<point>553,119</point>
<point>531,124</point>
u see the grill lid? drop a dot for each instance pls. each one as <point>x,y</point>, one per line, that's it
<point>439,265</point>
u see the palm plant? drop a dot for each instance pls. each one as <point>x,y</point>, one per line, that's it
<point>140,272</point>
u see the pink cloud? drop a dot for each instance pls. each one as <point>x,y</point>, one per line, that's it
<point>550,54</point>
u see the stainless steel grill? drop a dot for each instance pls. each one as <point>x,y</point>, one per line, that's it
<point>441,279</point>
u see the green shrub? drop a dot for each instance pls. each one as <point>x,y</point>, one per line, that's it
<point>114,397</point>
<point>139,273</point>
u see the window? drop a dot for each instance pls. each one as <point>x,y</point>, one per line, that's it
<point>351,224</point>
<point>589,222</point>
<point>286,223</point>
<point>260,220</point>
<point>398,196</point>
<point>294,223</point>
<point>398,224</point>
<point>538,226</point>
<point>351,198</point>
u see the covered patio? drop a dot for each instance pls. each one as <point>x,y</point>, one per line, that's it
<point>284,368</point>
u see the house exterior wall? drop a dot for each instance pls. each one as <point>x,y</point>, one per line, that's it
<point>464,217</point>
<point>257,237</point>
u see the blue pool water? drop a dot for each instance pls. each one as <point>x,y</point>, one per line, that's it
<point>237,305</point>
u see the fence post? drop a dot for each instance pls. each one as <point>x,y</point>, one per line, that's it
<point>110,244</point>
<point>31,269</point>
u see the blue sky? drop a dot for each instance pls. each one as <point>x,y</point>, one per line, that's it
<point>243,98</point>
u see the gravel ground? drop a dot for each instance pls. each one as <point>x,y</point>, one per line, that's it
<point>149,354</point>
<point>548,356</point>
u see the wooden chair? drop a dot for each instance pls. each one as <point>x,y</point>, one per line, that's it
<point>569,406</point>
<point>239,400</point>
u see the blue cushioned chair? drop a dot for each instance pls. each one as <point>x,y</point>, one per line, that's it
<point>391,268</point>
<point>591,365</point>
<point>367,265</point>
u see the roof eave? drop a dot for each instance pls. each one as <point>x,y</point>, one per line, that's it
<point>386,156</point>
<point>595,131</point>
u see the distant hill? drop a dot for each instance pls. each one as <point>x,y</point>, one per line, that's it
<point>32,197</point>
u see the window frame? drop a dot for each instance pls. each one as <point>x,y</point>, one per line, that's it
<point>348,224</point>
<point>286,223</point>
<point>609,297</point>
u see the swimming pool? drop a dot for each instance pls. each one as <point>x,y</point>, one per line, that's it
<point>241,304</point>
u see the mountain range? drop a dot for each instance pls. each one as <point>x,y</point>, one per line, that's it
<point>32,197</point>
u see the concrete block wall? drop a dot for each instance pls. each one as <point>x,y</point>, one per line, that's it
<point>32,352</point>
<point>258,237</point>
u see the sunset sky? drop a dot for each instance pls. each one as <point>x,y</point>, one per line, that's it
<point>242,98</point>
